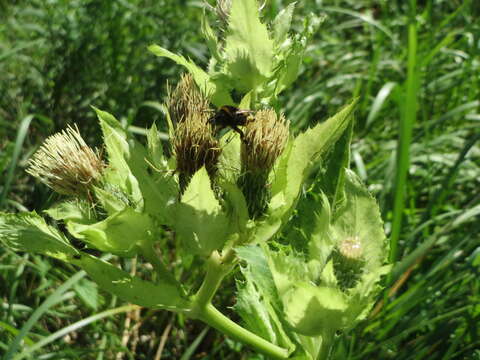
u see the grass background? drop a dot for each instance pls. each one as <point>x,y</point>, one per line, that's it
<point>416,67</point>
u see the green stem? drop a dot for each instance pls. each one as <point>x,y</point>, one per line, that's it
<point>217,320</point>
<point>217,268</point>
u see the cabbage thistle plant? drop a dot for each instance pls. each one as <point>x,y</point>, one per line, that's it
<point>282,216</point>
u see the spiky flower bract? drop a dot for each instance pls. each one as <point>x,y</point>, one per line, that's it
<point>265,137</point>
<point>67,164</point>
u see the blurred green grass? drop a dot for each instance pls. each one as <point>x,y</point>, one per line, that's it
<point>416,67</point>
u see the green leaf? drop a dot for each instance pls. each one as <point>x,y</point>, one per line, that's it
<point>361,217</point>
<point>129,160</point>
<point>282,23</point>
<point>257,298</point>
<point>118,234</point>
<point>320,310</point>
<point>219,95</point>
<point>210,38</point>
<point>87,291</point>
<point>248,47</point>
<point>310,310</point>
<point>162,295</point>
<point>198,219</point>
<point>296,163</point>
<point>337,162</point>
<point>155,150</point>
<point>236,208</point>
<point>313,310</point>
<point>30,233</point>
<point>291,54</point>
<point>158,188</point>
<point>229,161</point>
<point>76,210</point>
<point>116,144</point>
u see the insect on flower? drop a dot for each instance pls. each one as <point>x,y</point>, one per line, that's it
<point>230,116</point>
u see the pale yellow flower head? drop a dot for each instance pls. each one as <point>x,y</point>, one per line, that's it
<point>67,164</point>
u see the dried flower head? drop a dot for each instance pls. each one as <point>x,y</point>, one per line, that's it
<point>193,141</point>
<point>67,164</point>
<point>265,138</point>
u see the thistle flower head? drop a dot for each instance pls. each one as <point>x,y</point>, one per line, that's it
<point>67,164</point>
<point>186,100</point>
<point>265,138</point>
<point>194,143</point>
<point>348,261</point>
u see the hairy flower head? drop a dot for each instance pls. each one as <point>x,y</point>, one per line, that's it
<point>67,164</point>
<point>266,135</point>
<point>265,139</point>
<point>193,141</point>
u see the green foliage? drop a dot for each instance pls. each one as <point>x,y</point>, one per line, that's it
<point>429,308</point>
<point>243,66</point>
<point>30,232</point>
<point>199,218</point>
<point>161,295</point>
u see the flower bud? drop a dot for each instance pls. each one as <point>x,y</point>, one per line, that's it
<point>67,164</point>
<point>265,138</point>
<point>348,262</point>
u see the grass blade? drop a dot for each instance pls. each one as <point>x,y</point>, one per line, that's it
<point>52,300</point>
<point>406,127</point>
<point>73,327</point>
<point>21,134</point>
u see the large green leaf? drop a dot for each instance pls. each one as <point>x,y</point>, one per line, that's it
<point>161,295</point>
<point>30,233</point>
<point>296,164</point>
<point>311,283</point>
<point>248,47</point>
<point>198,219</point>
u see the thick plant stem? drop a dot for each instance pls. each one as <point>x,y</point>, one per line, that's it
<point>217,320</point>
<point>217,268</point>
<point>215,275</point>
